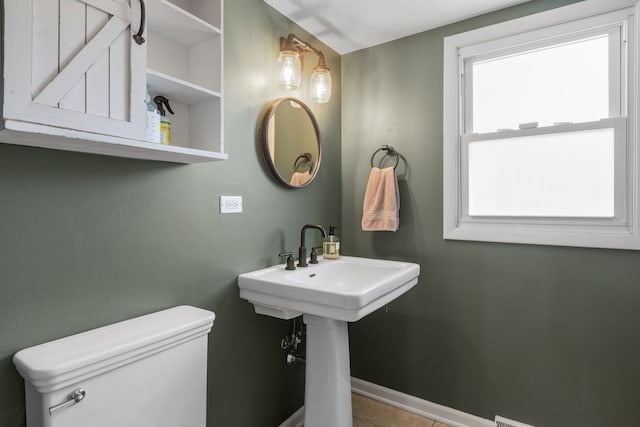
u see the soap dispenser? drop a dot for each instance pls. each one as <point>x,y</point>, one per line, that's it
<point>165,123</point>
<point>331,244</point>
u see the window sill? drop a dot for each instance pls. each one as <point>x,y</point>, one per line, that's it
<point>609,237</point>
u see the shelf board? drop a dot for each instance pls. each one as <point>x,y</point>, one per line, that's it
<point>178,90</point>
<point>177,24</point>
<point>35,135</point>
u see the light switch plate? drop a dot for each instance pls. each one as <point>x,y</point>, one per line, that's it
<point>230,204</point>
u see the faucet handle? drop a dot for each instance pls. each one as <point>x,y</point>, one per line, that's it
<point>314,255</point>
<point>291,262</point>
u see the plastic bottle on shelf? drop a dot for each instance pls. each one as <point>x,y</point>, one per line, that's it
<point>165,123</point>
<point>153,121</point>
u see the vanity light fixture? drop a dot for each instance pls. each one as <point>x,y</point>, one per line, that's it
<point>290,67</point>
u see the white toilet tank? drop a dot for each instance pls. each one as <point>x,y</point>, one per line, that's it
<point>150,371</point>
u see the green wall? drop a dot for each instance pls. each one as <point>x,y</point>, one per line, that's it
<point>88,240</point>
<point>544,335</point>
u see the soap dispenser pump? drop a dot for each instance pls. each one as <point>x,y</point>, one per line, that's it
<point>331,245</point>
<point>165,123</point>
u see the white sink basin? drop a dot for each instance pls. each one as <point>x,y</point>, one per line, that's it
<point>329,295</point>
<point>345,289</point>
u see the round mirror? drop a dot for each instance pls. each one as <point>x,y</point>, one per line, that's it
<point>289,140</point>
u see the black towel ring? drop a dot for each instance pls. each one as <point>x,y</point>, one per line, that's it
<point>306,157</point>
<point>390,152</point>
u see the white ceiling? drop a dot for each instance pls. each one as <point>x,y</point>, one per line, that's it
<point>349,25</point>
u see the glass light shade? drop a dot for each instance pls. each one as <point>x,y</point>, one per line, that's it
<point>288,76</point>
<point>320,85</point>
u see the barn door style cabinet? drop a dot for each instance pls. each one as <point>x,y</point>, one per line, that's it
<point>77,72</point>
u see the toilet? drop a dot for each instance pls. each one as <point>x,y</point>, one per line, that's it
<point>150,371</point>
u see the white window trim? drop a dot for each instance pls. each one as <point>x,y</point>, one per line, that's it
<point>623,231</point>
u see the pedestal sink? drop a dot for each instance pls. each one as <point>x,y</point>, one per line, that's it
<point>328,295</point>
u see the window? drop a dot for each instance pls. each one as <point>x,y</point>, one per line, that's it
<point>540,143</point>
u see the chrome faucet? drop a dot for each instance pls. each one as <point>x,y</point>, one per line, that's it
<point>302,251</point>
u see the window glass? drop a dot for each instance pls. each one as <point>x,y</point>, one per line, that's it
<point>561,83</point>
<point>567,174</point>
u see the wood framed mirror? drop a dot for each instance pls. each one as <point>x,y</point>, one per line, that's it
<point>289,141</point>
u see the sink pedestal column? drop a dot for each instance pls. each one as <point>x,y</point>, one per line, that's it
<point>327,400</point>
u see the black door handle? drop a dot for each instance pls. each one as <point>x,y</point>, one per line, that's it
<point>138,37</point>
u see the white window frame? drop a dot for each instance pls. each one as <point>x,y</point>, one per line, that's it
<point>620,232</point>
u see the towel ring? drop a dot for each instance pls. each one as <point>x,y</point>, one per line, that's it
<point>305,157</point>
<point>390,152</point>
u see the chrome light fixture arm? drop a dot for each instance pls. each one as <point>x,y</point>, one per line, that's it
<point>292,42</point>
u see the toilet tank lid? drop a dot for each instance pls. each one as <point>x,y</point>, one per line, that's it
<point>102,349</point>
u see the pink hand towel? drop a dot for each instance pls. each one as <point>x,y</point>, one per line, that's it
<point>381,201</point>
<point>300,178</point>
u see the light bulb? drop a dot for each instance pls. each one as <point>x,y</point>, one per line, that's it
<point>288,76</point>
<point>320,85</point>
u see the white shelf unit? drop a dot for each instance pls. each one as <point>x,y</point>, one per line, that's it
<point>64,139</point>
<point>184,52</point>
<point>184,64</point>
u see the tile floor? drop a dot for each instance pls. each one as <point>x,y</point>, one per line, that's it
<point>370,413</point>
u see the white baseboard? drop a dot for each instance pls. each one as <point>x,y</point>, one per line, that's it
<point>408,403</point>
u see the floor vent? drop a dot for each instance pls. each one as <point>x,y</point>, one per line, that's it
<point>504,422</point>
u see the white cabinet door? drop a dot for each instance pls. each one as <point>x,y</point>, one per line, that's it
<point>74,64</point>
